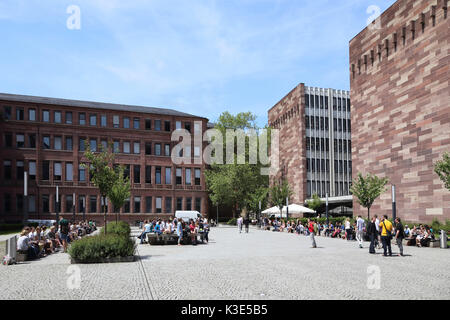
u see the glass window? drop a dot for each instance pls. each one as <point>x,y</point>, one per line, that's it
<point>137,173</point>
<point>126,123</point>
<point>126,208</point>
<point>46,116</point>
<point>158,125</point>
<point>116,146</point>
<point>197,176</point>
<point>157,149</point>
<point>7,169</point>
<point>32,170</point>
<point>32,114</point>
<point>58,143</point>
<point>82,119</point>
<point>69,203</point>
<point>81,173</point>
<point>167,150</point>
<point>148,204</point>
<point>69,143</point>
<point>136,123</point>
<point>20,140</point>
<point>158,175</point>
<point>116,121</point>
<point>126,147</point>
<point>7,113</point>
<point>57,171</point>
<point>32,140</point>
<point>93,145</point>
<point>58,118</point>
<point>103,120</point>
<point>178,177</point>
<point>126,171</point>
<point>168,178</point>
<point>19,203</point>
<point>198,204</point>
<point>137,204</point>
<point>69,117</point>
<point>158,204</point>
<point>69,171</point>
<point>137,147</point>
<point>148,148</point>
<point>8,140</point>
<point>187,126</point>
<point>168,204</point>
<point>196,151</point>
<point>46,170</point>
<point>46,203</point>
<point>148,174</point>
<point>19,113</point>
<point>31,203</point>
<point>93,120</point>
<point>82,144</point>
<point>179,204</point>
<point>178,125</point>
<point>92,204</point>
<point>104,144</point>
<point>188,176</point>
<point>167,126</point>
<point>148,124</point>
<point>19,170</point>
<point>188,204</point>
<point>46,142</point>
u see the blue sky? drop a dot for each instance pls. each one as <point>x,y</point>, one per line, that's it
<point>197,56</point>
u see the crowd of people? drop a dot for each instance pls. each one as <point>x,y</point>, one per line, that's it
<point>40,241</point>
<point>183,229</point>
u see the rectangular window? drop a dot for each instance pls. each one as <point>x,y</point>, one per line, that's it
<point>103,120</point>
<point>158,175</point>
<point>32,170</point>
<point>167,126</point>
<point>69,171</point>
<point>58,143</point>
<point>137,148</point>
<point>137,205</point>
<point>93,145</point>
<point>116,146</point>
<point>157,149</point>
<point>167,150</point>
<point>148,148</point>
<point>69,117</point>
<point>158,125</point>
<point>46,116</point>
<point>19,113</point>
<point>46,142</point>
<point>187,126</point>
<point>19,170</point>
<point>137,173</point>
<point>198,204</point>
<point>116,121</point>
<point>148,204</point>
<point>93,119</point>
<point>197,174</point>
<point>148,174</point>
<point>126,208</point>
<point>188,204</point>
<point>126,123</point>
<point>179,204</point>
<point>168,177</point>
<point>148,124</point>
<point>69,203</point>
<point>8,140</point>
<point>126,171</point>
<point>32,203</point>
<point>92,204</point>
<point>158,204</point>
<point>188,176</point>
<point>104,145</point>
<point>58,117</point>
<point>178,177</point>
<point>46,203</point>
<point>82,144</point>
<point>168,204</point>
<point>196,151</point>
<point>46,170</point>
<point>31,114</point>
<point>82,119</point>
<point>178,125</point>
<point>20,140</point>
<point>7,113</point>
<point>136,123</point>
<point>57,171</point>
<point>81,173</point>
<point>69,143</point>
<point>126,147</point>
<point>7,202</point>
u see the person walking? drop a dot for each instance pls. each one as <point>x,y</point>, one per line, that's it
<point>360,224</point>
<point>239,224</point>
<point>348,229</point>
<point>386,235</point>
<point>180,231</point>
<point>378,239</point>
<point>64,229</point>
<point>399,234</point>
<point>246,223</point>
<point>372,232</point>
<point>311,233</point>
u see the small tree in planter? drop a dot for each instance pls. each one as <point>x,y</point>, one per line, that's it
<point>120,191</point>
<point>367,189</point>
<point>101,172</point>
<point>442,169</point>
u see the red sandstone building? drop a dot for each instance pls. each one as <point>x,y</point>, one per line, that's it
<point>400,70</point>
<point>45,137</point>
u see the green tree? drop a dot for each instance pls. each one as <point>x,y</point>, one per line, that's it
<point>120,191</point>
<point>315,203</point>
<point>442,168</point>
<point>367,189</point>
<point>278,194</point>
<point>103,176</point>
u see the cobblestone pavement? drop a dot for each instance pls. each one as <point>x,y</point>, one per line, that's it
<point>258,265</point>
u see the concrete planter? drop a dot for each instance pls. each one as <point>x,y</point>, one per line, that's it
<point>106,260</point>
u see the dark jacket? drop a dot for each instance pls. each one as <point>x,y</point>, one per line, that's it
<point>371,228</point>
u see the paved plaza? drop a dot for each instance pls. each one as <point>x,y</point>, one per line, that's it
<point>258,265</point>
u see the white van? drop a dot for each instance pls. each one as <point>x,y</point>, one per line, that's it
<point>187,215</point>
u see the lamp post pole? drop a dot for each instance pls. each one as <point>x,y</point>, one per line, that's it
<point>57,204</point>
<point>287,208</point>
<point>394,207</point>
<point>25,197</point>
<point>73,206</point>
<point>84,207</point>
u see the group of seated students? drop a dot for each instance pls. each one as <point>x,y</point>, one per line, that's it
<point>177,226</point>
<point>420,236</point>
<point>40,241</point>
<point>279,225</point>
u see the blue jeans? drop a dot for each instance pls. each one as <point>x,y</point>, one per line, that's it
<point>143,234</point>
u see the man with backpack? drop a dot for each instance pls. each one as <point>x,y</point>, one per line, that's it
<point>64,229</point>
<point>399,234</point>
<point>386,235</point>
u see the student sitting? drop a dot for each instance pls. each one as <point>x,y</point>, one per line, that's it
<point>24,245</point>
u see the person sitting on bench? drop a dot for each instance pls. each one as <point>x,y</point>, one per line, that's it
<point>25,247</point>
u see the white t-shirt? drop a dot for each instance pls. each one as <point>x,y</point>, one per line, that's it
<point>347,224</point>
<point>377,224</point>
<point>22,243</point>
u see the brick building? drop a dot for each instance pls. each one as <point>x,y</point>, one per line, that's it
<point>45,137</point>
<point>399,70</point>
<point>315,142</point>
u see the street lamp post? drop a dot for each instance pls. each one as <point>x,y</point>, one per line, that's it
<point>25,197</point>
<point>73,206</point>
<point>84,208</point>
<point>287,208</point>
<point>57,204</point>
<point>394,207</point>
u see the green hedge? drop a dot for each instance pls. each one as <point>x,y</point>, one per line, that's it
<point>120,228</point>
<point>97,248</point>
<point>232,222</point>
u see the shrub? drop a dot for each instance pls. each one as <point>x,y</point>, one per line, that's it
<point>96,248</point>
<point>232,222</point>
<point>120,228</point>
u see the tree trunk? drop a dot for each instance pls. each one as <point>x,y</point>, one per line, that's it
<point>368,214</point>
<point>104,213</point>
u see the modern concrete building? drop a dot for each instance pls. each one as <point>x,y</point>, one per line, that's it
<point>315,142</point>
<point>45,137</point>
<point>400,72</point>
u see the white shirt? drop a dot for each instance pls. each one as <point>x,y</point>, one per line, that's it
<point>22,243</point>
<point>347,224</point>
<point>377,224</point>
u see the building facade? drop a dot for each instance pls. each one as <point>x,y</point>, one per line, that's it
<point>46,138</point>
<point>315,142</point>
<point>399,71</point>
